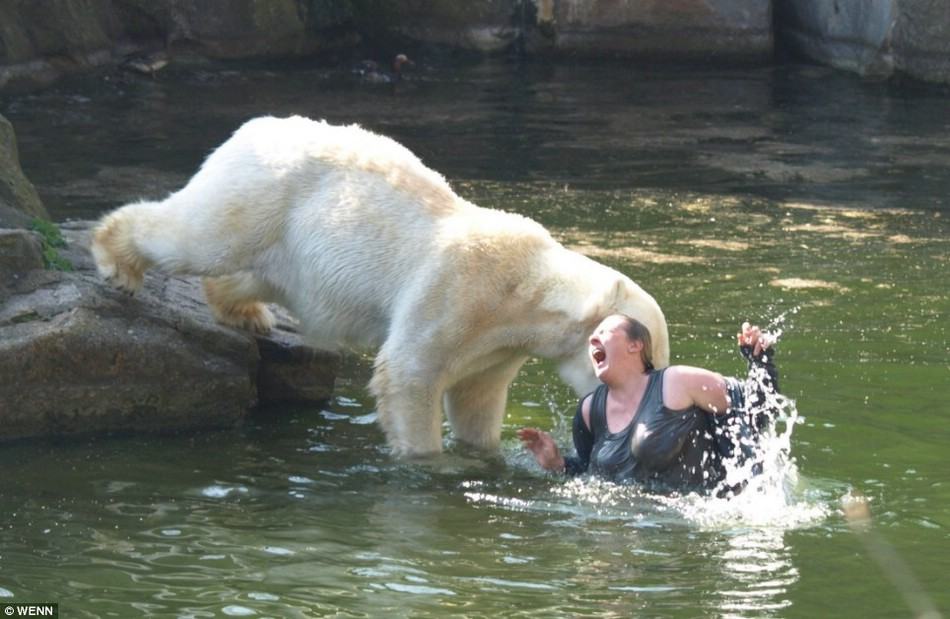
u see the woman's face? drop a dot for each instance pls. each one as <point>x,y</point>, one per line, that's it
<point>611,352</point>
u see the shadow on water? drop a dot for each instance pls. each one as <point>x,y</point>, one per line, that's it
<point>729,195</point>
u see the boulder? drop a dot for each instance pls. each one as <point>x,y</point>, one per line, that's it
<point>871,37</point>
<point>16,192</point>
<point>21,251</point>
<point>78,356</point>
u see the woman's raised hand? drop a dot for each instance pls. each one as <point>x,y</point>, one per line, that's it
<point>754,339</point>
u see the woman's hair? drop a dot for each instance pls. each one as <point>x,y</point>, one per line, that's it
<point>637,332</point>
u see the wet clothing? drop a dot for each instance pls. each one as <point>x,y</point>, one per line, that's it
<point>672,450</point>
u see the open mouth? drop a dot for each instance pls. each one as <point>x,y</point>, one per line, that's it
<point>598,355</point>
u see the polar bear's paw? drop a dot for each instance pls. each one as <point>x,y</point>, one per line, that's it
<point>250,316</point>
<point>116,257</point>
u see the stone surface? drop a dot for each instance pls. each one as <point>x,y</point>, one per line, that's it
<point>77,356</point>
<point>871,37</point>
<point>20,252</point>
<point>670,29</point>
<point>236,29</point>
<point>16,192</point>
<point>848,34</point>
<point>291,372</point>
<point>42,41</point>
<point>921,39</point>
<point>488,26</point>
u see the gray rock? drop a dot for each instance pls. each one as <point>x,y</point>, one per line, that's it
<point>79,356</point>
<point>871,37</point>
<point>42,41</point>
<point>486,26</point>
<point>20,251</point>
<point>734,30</point>
<point>16,192</point>
<point>921,39</point>
<point>848,34</point>
<point>291,372</point>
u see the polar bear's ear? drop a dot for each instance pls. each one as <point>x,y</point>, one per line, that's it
<point>603,303</point>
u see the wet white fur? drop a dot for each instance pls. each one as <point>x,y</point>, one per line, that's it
<point>370,248</point>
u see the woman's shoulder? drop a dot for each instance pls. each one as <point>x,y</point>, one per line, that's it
<point>586,404</point>
<point>684,372</point>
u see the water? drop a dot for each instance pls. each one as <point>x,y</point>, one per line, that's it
<point>791,193</point>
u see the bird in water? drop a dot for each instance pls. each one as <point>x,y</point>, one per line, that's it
<point>370,72</point>
<point>145,63</point>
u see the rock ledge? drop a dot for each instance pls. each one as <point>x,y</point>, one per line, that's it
<point>77,356</point>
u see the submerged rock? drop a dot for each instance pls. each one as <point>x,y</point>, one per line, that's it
<point>77,356</point>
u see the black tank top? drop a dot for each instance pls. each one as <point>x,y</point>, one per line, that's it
<point>660,447</point>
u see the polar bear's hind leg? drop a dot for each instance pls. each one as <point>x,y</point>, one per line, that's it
<point>237,301</point>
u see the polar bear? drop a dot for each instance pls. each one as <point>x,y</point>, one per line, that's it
<point>370,248</point>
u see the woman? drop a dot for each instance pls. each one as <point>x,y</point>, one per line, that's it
<point>667,428</point>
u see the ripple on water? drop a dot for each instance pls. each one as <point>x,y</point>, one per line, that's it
<point>217,491</point>
<point>417,589</point>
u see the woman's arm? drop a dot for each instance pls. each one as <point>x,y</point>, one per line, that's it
<point>545,450</point>
<point>583,440</point>
<point>686,386</point>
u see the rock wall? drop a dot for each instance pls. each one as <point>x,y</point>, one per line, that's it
<point>18,198</point>
<point>870,37</point>
<point>17,194</point>
<point>675,29</point>
<point>44,39</point>
<point>921,39</point>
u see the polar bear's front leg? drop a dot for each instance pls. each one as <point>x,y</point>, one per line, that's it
<point>118,257</point>
<point>408,399</point>
<point>475,405</point>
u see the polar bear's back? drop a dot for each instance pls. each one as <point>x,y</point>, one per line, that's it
<point>300,153</point>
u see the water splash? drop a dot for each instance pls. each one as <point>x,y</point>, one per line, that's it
<point>763,467</point>
<point>773,493</point>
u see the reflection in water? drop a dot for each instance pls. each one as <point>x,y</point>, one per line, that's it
<point>757,572</point>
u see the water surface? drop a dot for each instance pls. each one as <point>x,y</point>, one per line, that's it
<point>793,196</point>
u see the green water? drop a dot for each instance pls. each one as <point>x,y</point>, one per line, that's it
<point>794,196</point>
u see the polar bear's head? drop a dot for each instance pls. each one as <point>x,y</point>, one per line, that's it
<point>621,296</point>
